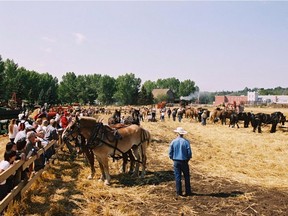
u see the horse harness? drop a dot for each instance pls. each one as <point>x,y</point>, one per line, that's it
<point>96,140</point>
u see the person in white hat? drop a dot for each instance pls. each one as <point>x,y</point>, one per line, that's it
<point>180,152</point>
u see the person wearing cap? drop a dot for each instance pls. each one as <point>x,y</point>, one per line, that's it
<point>180,152</point>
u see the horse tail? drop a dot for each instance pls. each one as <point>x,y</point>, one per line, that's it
<point>146,137</point>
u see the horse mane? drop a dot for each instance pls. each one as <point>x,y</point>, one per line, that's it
<point>89,121</point>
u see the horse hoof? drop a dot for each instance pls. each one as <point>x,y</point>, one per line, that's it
<point>90,177</point>
<point>106,182</point>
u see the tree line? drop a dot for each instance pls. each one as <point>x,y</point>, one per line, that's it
<point>40,88</point>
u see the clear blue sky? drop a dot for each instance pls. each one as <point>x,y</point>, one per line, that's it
<point>219,45</point>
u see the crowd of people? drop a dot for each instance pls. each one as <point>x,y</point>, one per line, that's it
<point>26,138</point>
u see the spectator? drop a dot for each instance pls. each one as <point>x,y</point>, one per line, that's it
<point>23,133</point>
<point>169,112</point>
<point>11,146</point>
<point>64,120</point>
<point>21,126</point>
<point>44,125</point>
<point>51,134</point>
<point>153,113</point>
<point>6,185</point>
<point>20,155</point>
<point>174,113</point>
<point>32,147</point>
<point>180,114</point>
<point>162,115</point>
<point>13,130</point>
<point>204,117</point>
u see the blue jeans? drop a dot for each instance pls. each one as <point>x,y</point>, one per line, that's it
<point>179,168</point>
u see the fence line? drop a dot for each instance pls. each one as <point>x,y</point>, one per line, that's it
<point>23,185</point>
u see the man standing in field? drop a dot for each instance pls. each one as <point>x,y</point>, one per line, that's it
<point>180,152</point>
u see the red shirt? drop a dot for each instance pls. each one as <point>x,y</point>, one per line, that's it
<point>64,121</point>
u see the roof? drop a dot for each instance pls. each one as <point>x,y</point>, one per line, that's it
<point>158,92</point>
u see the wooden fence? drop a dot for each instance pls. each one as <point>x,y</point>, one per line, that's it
<point>21,186</point>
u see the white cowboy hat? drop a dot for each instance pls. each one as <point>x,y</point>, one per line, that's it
<point>180,130</point>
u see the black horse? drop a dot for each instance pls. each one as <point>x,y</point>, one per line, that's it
<point>134,118</point>
<point>261,118</point>
<point>116,118</point>
<point>242,116</point>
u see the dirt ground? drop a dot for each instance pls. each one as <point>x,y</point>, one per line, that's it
<point>64,189</point>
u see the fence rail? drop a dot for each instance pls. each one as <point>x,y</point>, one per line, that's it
<point>21,186</point>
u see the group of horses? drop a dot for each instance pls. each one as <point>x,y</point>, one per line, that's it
<point>128,141</point>
<point>218,114</point>
<point>256,120</point>
<point>124,137</point>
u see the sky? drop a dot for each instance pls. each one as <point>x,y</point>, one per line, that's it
<point>220,45</point>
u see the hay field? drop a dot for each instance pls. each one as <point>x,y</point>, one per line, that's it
<point>233,172</point>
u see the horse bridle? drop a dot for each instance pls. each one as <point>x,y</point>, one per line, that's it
<point>76,129</point>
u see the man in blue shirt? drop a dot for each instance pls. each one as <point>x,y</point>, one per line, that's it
<point>180,152</point>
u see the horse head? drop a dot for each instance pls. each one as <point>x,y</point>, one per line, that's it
<point>72,130</point>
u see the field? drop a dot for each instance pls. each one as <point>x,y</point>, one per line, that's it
<point>233,172</point>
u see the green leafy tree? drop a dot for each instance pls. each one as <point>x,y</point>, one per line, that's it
<point>127,89</point>
<point>187,87</point>
<point>169,83</point>
<point>149,86</point>
<point>145,97</point>
<point>92,83</point>
<point>10,78</point>
<point>67,91</point>
<point>106,89</point>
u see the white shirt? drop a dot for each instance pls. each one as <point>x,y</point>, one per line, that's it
<point>4,165</point>
<point>15,131</point>
<point>20,135</point>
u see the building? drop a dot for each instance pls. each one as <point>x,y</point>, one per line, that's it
<point>253,98</point>
<point>163,93</point>
<point>227,99</point>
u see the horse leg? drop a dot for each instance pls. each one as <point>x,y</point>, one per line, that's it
<point>103,163</point>
<point>125,161</point>
<point>273,128</point>
<point>259,129</point>
<point>144,159</point>
<point>132,161</point>
<point>90,156</point>
<point>106,171</point>
<point>135,150</point>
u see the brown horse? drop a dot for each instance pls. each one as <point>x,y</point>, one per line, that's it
<point>105,141</point>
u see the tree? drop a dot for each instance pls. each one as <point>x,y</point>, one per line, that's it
<point>145,97</point>
<point>127,89</point>
<point>187,87</point>
<point>169,83</point>
<point>149,86</point>
<point>67,90</point>
<point>10,78</point>
<point>92,83</point>
<point>106,89</point>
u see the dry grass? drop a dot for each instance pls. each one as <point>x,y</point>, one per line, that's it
<point>236,155</point>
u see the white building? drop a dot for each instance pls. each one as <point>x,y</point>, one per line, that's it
<point>253,97</point>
